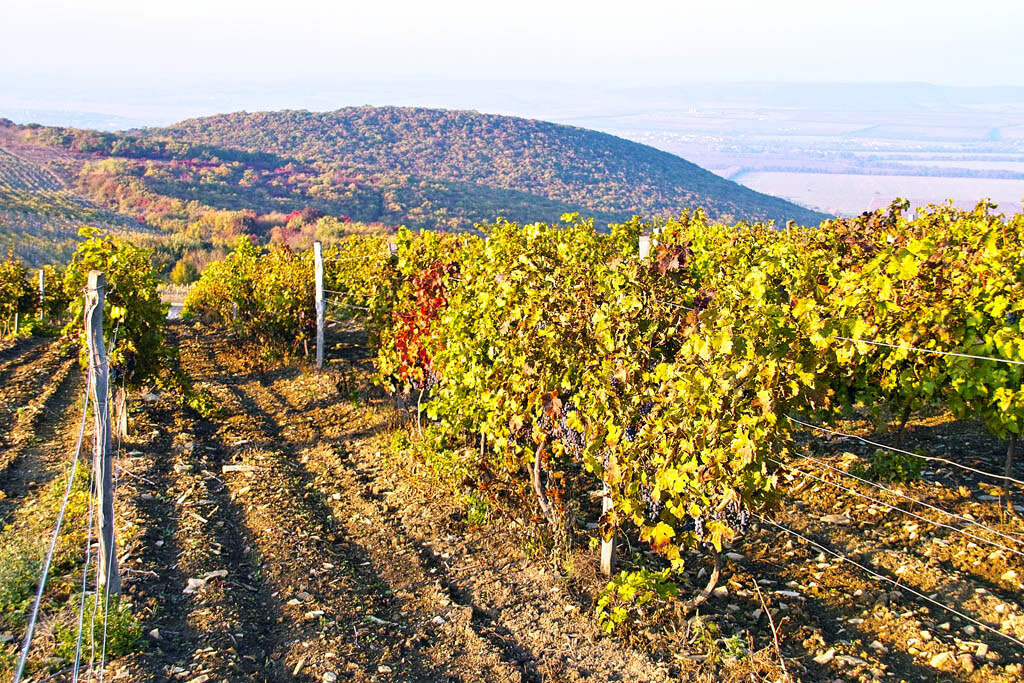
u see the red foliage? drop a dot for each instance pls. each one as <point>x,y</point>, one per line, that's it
<point>413,329</point>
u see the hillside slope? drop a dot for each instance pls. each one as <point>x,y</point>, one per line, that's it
<point>40,212</point>
<point>463,152</point>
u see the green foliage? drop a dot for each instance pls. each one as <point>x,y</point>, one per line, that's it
<point>264,295</point>
<point>947,281</point>
<point>56,299</point>
<point>889,466</point>
<point>703,636</point>
<point>132,308</point>
<point>635,597</point>
<point>19,572</point>
<point>448,465</point>
<point>121,629</point>
<point>184,273</point>
<point>478,509</point>
<point>23,543</point>
<point>16,294</point>
<point>550,358</point>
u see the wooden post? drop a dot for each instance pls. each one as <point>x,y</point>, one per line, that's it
<point>393,248</point>
<point>645,246</point>
<point>318,272</point>
<point>99,373</point>
<point>607,544</point>
<point>42,294</point>
<point>16,322</point>
<point>1008,472</point>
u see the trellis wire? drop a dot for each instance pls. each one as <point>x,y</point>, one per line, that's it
<point>336,302</point>
<point>106,584</point>
<point>85,576</point>
<point>911,499</point>
<point>53,545</point>
<point>905,347</point>
<point>338,259</point>
<point>893,449</point>
<point>900,586</point>
<point>899,509</point>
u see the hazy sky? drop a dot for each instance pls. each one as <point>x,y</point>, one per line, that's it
<point>53,50</point>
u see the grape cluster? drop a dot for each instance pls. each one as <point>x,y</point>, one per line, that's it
<point>573,440</point>
<point>122,370</point>
<point>703,299</point>
<point>652,506</point>
<point>734,515</point>
<point>430,380</point>
<point>630,433</point>
<point>558,428</point>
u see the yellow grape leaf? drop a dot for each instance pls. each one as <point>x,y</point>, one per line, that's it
<point>661,534</point>
<point>908,267</point>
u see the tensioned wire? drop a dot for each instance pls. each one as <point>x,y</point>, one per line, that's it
<point>893,449</point>
<point>900,586</point>
<point>27,643</point>
<point>876,501</point>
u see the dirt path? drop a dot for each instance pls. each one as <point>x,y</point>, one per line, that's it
<point>20,355</point>
<point>40,409</point>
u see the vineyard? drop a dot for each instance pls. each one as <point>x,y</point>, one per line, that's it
<point>18,174</point>
<point>677,450</point>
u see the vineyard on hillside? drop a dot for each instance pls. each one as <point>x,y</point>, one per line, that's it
<point>18,174</point>
<point>797,445</point>
<point>564,361</point>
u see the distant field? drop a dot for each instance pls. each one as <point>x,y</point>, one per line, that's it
<point>992,165</point>
<point>847,194</point>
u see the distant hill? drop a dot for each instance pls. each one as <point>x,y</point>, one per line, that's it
<point>293,176</point>
<point>439,168</point>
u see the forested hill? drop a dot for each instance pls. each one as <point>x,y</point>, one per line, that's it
<point>442,168</point>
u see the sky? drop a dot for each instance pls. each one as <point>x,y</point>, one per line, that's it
<point>135,58</point>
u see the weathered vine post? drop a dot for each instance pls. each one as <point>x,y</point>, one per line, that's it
<point>1008,473</point>
<point>607,544</point>
<point>42,293</point>
<point>318,272</point>
<point>645,246</point>
<point>99,373</point>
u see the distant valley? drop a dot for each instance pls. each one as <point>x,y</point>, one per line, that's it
<point>842,149</point>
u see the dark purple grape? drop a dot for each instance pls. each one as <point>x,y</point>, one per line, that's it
<point>735,515</point>
<point>630,433</point>
<point>653,506</point>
